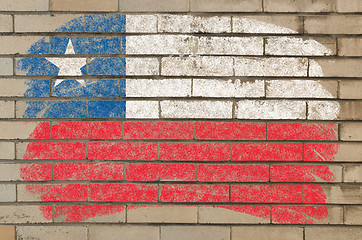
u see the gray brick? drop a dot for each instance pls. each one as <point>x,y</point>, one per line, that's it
<point>333,233</point>
<point>6,66</point>
<point>162,214</point>
<point>6,23</point>
<point>194,232</point>
<point>7,192</point>
<point>52,232</point>
<point>7,150</point>
<point>7,109</point>
<point>226,6</point>
<point>352,215</point>
<point>123,232</point>
<point>333,24</point>
<point>22,214</point>
<point>154,5</point>
<point>353,173</point>
<point>21,5</point>
<point>267,233</point>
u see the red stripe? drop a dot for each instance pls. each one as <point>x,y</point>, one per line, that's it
<point>87,130</point>
<point>158,130</point>
<point>298,214</point>
<point>88,171</point>
<point>266,152</point>
<point>194,193</point>
<point>160,172</point>
<point>123,192</point>
<point>42,131</point>
<point>232,173</point>
<point>320,152</point>
<point>36,172</point>
<point>122,151</point>
<point>195,151</point>
<point>302,131</point>
<point>230,131</point>
<point>52,150</point>
<point>300,173</point>
<point>60,192</point>
<point>280,193</point>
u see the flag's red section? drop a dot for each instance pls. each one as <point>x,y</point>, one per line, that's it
<point>203,166</point>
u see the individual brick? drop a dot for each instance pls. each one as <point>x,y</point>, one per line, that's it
<point>266,151</point>
<point>122,151</point>
<point>7,109</point>
<point>18,44</point>
<point>19,5</point>
<point>232,173</point>
<point>351,131</point>
<point>190,193</point>
<point>225,6</point>
<point>194,151</point>
<point>234,214</point>
<point>336,194</point>
<point>228,46</point>
<point>158,44</point>
<point>84,5</point>
<point>326,110</point>
<point>160,172</point>
<point>52,192</point>
<point>352,173</point>
<point>24,130</point>
<point>142,66</point>
<point>87,130</point>
<point>158,87</point>
<point>271,109</point>
<point>335,67</point>
<point>122,192</point>
<point>305,173</point>
<point>197,66</point>
<point>300,46</point>
<point>349,89</point>
<point>6,23</point>
<point>286,67</point>
<point>20,88</point>
<point>301,89</point>
<point>52,232</point>
<point>299,6</point>
<point>88,171</point>
<point>228,88</point>
<point>279,193</point>
<point>51,150</point>
<point>7,232</point>
<point>194,232</point>
<point>141,23</point>
<point>6,66</point>
<point>344,152</point>
<point>42,23</point>
<point>196,109</point>
<point>161,214</point>
<point>333,24</point>
<point>350,111</point>
<point>7,193</point>
<point>230,131</point>
<point>352,6</point>
<point>27,172</point>
<point>350,46</point>
<point>7,150</point>
<point>278,24</point>
<point>89,213</point>
<point>142,109</point>
<point>307,215</point>
<point>158,130</point>
<point>352,215</point>
<point>267,233</point>
<point>194,24</point>
<point>333,233</point>
<point>302,131</point>
<point>100,232</point>
<point>22,214</point>
<point>154,6</point>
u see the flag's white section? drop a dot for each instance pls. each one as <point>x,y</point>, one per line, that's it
<point>69,66</point>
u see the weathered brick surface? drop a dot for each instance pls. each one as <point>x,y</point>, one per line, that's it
<point>84,5</point>
<point>18,44</point>
<point>19,5</point>
<point>164,214</point>
<point>21,214</point>
<point>7,232</point>
<point>7,109</point>
<point>334,24</point>
<point>353,215</point>
<point>225,6</point>
<point>350,89</point>
<point>349,6</point>
<point>41,23</point>
<point>7,150</point>
<point>52,232</point>
<point>194,233</point>
<point>124,232</point>
<point>154,5</point>
<point>7,193</point>
<point>267,233</point>
<point>278,24</point>
<point>351,132</point>
<point>6,66</point>
<point>353,173</point>
<point>350,47</point>
<point>299,6</point>
<point>6,23</point>
<point>332,233</point>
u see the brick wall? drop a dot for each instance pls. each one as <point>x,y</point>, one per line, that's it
<point>192,119</point>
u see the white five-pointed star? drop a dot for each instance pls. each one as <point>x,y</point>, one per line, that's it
<point>69,66</point>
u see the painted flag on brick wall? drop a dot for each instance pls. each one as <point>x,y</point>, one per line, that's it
<point>147,116</point>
